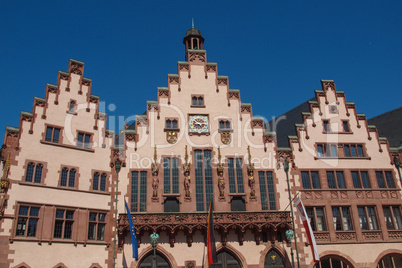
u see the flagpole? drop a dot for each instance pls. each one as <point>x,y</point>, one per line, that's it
<point>117,168</point>
<point>286,167</point>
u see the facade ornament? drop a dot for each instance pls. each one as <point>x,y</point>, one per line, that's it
<point>250,172</point>
<point>225,137</point>
<point>187,180</point>
<point>4,183</point>
<point>221,182</point>
<point>155,179</point>
<point>171,136</point>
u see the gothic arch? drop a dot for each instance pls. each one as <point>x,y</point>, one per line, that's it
<point>22,265</point>
<point>385,253</point>
<point>160,250</point>
<point>230,249</point>
<point>335,253</point>
<point>279,250</point>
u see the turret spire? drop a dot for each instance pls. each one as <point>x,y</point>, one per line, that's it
<point>192,23</point>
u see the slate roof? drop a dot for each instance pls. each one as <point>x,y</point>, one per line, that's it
<point>389,125</point>
<point>285,124</point>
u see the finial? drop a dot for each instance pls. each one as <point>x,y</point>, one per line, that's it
<point>186,155</point>
<point>155,155</point>
<point>219,154</point>
<point>192,23</point>
<point>249,154</point>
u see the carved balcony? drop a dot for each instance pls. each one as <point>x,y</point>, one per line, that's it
<point>188,223</point>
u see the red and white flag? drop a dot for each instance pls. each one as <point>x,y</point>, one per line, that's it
<point>302,212</point>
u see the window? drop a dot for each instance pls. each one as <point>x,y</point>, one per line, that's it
<point>326,126</point>
<point>34,172</point>
<point>203,178</point>
<point>99,182</point>
<point>342,219</point>
<point>333,261</point>
<point>235,171</point>
<point>335,180</point>
<point>360,178</point>
<point>72,107</point>
<point>67,177</point>
<point>27,221</point>
<point>224,125</point>
<point>390,261</point>
<point>310,178</point>
<point>393,218</point>
<point>317,219</point>
<point>345,125</point>
<point>367,218</point>
<point>52,134</point>
<point>139,191</point>
<point>237,204</point>
<point>63,225</point>
<point>171,124</point>
<point>267,190</point>
<point>171,175</point>
<point>197,101</point>
<point>353,150</point>
<point>171,205</point>
<point>96,227</point>
<point>327,150</point>
<point>83,140</point>
<point>388,182</point>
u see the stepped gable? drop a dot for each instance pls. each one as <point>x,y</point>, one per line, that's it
<point>389,125</point>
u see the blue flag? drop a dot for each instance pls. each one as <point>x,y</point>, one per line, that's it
<point>132,232</point>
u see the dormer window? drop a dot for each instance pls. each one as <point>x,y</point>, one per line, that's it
<point>197,101</point>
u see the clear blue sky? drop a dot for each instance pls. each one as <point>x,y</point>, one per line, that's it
<point>275,52</point>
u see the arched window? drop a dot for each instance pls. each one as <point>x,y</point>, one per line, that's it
<point>195,43</point>
<point>67,174</point>
<point>30,171</point>
<point>71,179</point>
<point>194,101</point>
<point>103,182</point>
<point>34,169</point>
<point>161,261</point>
<point>72,107</point>
<point>227,125</point>
<point>390,261</point>
<point>174,124</point>
<point>333,261</point>
<point>221,124</point>
<point>168,124</point>
<point>226,259</point>
<point>95,181</point>
<point>200,101</point>
<point>274,260</point>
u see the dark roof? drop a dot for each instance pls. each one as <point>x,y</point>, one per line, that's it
<point>193,32</point>
<point>389,125</point>
<point>284,125</point>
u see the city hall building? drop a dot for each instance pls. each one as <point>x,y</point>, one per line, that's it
<point>66,177</point>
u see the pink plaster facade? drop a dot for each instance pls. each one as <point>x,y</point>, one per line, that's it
<point>252,237</point>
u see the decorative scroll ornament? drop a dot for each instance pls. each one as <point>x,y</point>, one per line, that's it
<point>250,172</point>
<point>225,137</point>
<point>155,172</point>
<point>186,172</point>
<point>171,136</point>
<point>221,182</point>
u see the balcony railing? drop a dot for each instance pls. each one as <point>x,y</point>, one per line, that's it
<point>189,223</point>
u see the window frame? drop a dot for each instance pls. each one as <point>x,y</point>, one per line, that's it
<point>86,145</point>
<point>325,150</point>
<point>203,178</point>
<point>97,224</point>
<point>368,218</point>
<point>68,178</point>
<point>326,126</point>
<point>336,179</point>
<point>354,150</point>
<point>396,224</point>
<point>360,179</point>
<point>346,123</point>
<point>314,223</point>
<point>235,175</point>
<point>103,179</point>
<point>140,188</point>
<point>385,179</point>
<point>171,121</point>
<point>171,180</point>
<point>310,181</point>
<point>64,227</point>
<point>199,101</point>
<point>266,190</point>
<point>26,223</point>
<point>34,175</point>
<point>341,210</point>
<point>51,140</point>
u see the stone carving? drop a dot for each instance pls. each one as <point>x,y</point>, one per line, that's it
<point>171,136</point>
<point>345,236</point>
<point>250,172</point>
<point>163,93</point>
<point>225,137</point>
<point>174,80</point>
<point>234,95</point>
<point>187,180</point>
<point>155,179</point>
<point>211,68</point>
<point>196,56</point>
<point>246,109</point>
<point>222,81</point>
<point>221,181</point>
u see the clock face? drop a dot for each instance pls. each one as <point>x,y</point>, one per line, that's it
<point>198,123</point>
